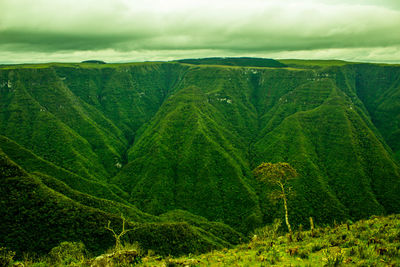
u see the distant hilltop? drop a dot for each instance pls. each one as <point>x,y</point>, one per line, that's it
<point>235,61</point>
<point>94,61</point>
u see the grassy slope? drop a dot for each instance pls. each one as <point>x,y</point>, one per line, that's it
<point>372,242</point>
<point>306,63</point>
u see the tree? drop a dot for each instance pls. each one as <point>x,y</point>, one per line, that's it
<point>278,174</point>
<point>118,236</point>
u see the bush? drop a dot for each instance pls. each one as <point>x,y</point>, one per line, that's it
<point>6,256</point>
<point>67,253</point>
<point>127,255</point>
<point>269,231</point>
<point>333,259</point>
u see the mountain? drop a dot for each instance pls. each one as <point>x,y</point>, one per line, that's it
<point>179,140</point>
<point>38,212</point>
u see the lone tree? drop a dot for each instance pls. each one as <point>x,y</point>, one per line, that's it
<point>117,237</point>
<point>278,174</point>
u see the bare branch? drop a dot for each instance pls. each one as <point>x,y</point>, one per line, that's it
<point>121,234</point>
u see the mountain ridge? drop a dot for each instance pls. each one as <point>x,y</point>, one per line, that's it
<point>164,136</point>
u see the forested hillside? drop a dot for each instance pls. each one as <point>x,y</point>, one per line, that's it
<point>151,140</point>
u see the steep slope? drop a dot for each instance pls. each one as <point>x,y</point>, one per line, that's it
<point>128,94</point>
<point>186,159</point>
<point>32,163</point>
<point>379,88</point>
<point>82,119</point>
<point>321,128</point>
<point>222,122</point>
<point>36,218</point>
<point>41,114</point>
<point>167,136</point>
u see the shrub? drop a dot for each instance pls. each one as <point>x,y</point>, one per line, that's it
<point>333,259</point>
<point>270,231</point>
<point>6,256</point>
<point>67,253</point>
<point>364,252</point>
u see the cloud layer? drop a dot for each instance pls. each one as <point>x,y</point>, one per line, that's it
<point>132,30</point>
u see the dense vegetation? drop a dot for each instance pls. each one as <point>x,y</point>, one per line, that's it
<point>172,146</point>
<point>371,242</point>
<point>36,218</point>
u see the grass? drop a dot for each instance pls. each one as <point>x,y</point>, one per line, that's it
<point>371,242</point>
<point>314,63</point>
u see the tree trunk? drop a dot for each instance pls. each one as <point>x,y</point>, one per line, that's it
<point>286,214</point>
<point>286,209</point>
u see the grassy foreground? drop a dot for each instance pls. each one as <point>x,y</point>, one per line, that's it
<point>372,242</point>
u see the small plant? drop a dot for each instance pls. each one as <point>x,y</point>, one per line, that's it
<point>126,258</point>
<point>304,254</point>
<point>6,256</point>
<point>273,256</point>
<point>364,252</point>
<point>312,227</point>
<point>317,246</point>
<point>333,259</point>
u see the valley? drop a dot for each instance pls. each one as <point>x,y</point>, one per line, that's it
<point>172,146</point>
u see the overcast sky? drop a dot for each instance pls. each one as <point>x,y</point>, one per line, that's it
<point>136,30</point>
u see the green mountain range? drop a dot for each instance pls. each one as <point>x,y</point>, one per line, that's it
<point>172,146</point>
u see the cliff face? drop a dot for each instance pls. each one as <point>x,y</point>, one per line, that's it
<point>165,136</point>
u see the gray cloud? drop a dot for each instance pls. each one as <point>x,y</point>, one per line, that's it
<point>162,29</point>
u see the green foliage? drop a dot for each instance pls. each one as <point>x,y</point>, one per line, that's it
<point>269,231</point>
<point>275,173</point>
<point>175,239</point>
<point>32,163</point>
<point>279,175</point>
<point>32,211</point>
<point>370,247</point>
<point>333,259</point>
<point>126,258</point>
<point>67,253</point>
<point>6,256</point>
<point>101,139</point>
<point>217,229</point>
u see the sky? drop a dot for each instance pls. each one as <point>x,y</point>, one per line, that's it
<point>151,30</point>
